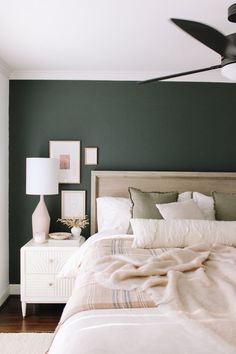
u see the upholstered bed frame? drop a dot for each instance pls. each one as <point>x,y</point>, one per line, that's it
<point>116,183</point>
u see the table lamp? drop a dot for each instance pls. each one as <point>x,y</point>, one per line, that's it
<point>42,176</point>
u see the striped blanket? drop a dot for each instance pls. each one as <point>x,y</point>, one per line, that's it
<point>188,295</point>
<point>89,295</point>
<point>192,288</point>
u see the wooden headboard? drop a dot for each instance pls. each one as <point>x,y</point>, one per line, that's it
<point>116,183</point>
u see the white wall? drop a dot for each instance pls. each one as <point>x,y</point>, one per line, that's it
<point>4,157</point>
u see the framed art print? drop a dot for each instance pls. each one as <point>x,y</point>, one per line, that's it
<point>91,156</point>
<point>72,204</point>
<point>68,153</point>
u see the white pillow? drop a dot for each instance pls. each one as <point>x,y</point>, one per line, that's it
<point>184,196</point>
<point>152,233</point>
<point>113,214</point>
<point>206,204</point>
<point>180,210</point>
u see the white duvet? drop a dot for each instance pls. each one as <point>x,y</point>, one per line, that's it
<point>137,331</point>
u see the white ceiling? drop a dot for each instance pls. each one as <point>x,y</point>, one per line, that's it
<point>107,39</point>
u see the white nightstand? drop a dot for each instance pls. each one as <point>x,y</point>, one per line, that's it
<point>40,263</point>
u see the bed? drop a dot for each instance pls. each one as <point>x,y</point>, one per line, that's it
<point>122,303</point>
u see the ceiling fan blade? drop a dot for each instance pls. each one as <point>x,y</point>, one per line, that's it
<point>209,36</point>
<point>181,74</point>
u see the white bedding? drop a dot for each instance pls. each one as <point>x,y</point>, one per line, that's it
<point>137,331</point>
<point>70,268</point>
<point>151,233</point>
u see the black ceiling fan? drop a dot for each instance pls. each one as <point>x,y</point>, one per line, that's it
<point>212,38</point>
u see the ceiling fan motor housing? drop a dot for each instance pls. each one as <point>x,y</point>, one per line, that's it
<point>226,61</point>
<point>232,13</point>
<point>228,65</point>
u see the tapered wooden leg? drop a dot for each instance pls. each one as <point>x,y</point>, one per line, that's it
<point>23,308</point>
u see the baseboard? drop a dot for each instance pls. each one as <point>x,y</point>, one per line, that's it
<point>14,289</point>
<point>4,295</point>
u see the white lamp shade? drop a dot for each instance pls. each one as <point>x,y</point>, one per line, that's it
<point>42,176</point>
<point>229,71</point>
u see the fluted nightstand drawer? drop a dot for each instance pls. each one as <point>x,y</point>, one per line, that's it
<point>39,285</point>
<point>46,262</point>
<point>47,285</point>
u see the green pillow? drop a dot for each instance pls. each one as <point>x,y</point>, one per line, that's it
<point>225,206</point>
<point>144,203</point>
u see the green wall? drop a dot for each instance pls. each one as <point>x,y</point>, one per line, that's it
<point>162,126</point>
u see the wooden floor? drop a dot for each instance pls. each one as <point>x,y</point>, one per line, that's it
<point>40,318</point>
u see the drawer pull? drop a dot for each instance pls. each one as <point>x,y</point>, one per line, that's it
<point>50,260</point>
<point>50,284</point>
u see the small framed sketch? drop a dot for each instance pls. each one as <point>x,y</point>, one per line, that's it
<point>68,153</point>
<point>72,204</point>
<point>91,156</point>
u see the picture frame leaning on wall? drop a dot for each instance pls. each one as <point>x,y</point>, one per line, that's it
<point>73,204</point>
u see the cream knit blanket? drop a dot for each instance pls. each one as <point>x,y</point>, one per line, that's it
<point>197,282</point>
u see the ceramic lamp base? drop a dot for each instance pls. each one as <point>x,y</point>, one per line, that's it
<point>41,219</point>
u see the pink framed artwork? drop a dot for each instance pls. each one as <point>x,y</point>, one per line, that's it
<point>68,154</point>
